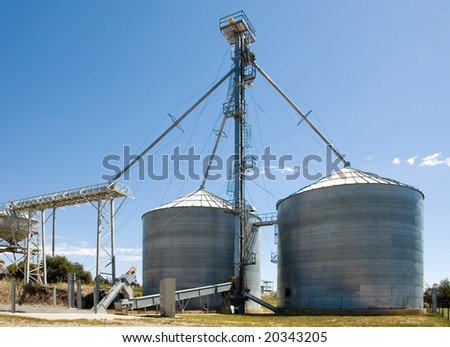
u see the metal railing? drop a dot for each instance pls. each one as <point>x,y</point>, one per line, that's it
<point>239,18</point>
<point>268,216</point>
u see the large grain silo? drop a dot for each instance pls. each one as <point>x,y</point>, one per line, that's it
<point>351,242</point>
<point>191,239</point>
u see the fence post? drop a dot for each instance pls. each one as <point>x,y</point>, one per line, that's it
<point>13,296</point>
<point>79,295</point>
<point>54,296</point>
<point>71,290</point>
<point>433,300</point>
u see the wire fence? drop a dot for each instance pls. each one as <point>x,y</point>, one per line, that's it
<point>443,309</point>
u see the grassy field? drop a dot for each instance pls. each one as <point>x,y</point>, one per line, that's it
<point>321,321</point>
<point>194,319</point>
<point>216,320</point>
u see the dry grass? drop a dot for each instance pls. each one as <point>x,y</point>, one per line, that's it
<point>43,296</point>
<point>34,294</point>
<point>265,320</point>
<point>216,320</point>
<point>5,292</point>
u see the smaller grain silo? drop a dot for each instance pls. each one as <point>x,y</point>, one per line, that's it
<point>351,242</point>
<point>192,239</point>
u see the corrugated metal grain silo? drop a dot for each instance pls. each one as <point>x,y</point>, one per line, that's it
<point>190,239</point>
<point>351,241</point>
<point>252,269</point>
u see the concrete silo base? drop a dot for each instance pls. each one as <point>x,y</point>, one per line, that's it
<point>354,312</point>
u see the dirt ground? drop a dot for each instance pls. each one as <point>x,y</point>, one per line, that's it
<point>72,320</point>
<point>87,319</point>
<point>35,310</point>
<point>37,294</point>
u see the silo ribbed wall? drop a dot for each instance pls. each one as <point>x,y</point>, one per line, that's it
<point>192,244</point>
<point>351,246</point>
<point>252,272</point>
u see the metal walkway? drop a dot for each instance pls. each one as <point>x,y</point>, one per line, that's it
<point>267,219</point>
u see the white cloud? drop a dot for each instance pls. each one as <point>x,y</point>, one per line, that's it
<point>66,249</point>
<point>411,161</point>
<point>285,170</point>
<point>132,258</point>
<point>125,254</point>
<point>435,159</point>
<point>431,160</point>
<point>371,156</point>
<point>129,250</point>
<point>129,254</point>
<point>396,161</point>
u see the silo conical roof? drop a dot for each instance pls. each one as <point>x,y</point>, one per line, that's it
<point>199,198</point>
<point>348,176</point>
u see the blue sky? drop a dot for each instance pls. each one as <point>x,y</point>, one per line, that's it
<point>81,79</point>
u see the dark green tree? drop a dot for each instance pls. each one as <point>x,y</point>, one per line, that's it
<point>82,275</point>
<point>442,293</point>
<point>59,267</point>
<point>18,270</point>
<point>13,270</point>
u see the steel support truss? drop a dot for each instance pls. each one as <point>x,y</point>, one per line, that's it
<point>23,228</point>
<point>105,264</point>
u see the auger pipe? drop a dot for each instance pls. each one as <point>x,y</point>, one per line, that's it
<point>301,114</point>
<point>205,176</point>
<point>174,125</point>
